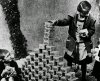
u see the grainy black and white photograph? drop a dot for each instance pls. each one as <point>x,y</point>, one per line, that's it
<point>49,40</point>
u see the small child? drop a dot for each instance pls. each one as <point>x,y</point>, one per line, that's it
<point>8,73</point>
<point>96,68</point>
<point>11,71</point>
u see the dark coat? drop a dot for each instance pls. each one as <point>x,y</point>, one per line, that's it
<point>96,68</point>
<point>2,67</point>
<point>71,22</point>
<point>13,63</point>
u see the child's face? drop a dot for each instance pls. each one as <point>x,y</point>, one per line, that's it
<point>83,14</point>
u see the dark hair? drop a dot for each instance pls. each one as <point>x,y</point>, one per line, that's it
<point>84,6</point>
<point>2,57</point>
<point>6,62</point>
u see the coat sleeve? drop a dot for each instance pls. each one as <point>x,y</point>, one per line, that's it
<point>63,22</point>
<point>91,30</point>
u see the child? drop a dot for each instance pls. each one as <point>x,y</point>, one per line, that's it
<point>11,71</point>
<point>96,68</point>
<point>8,73</point>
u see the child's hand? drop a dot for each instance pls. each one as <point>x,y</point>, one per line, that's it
<point>50,23</point>
<point>83,32</point>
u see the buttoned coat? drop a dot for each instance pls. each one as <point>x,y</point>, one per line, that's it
<point>71,21</point>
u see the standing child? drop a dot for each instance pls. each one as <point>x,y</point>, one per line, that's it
<point>81,29</point>
<point>96,68</point>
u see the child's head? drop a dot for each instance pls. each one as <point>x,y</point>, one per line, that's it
<point>3,52</point>
<point>84,7</point>
<point>9,56</point>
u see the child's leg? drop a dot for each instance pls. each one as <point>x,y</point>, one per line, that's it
<point>69,59</point>
<point>83,68</point>
<point>11,79</point>
<point>3,79</point>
